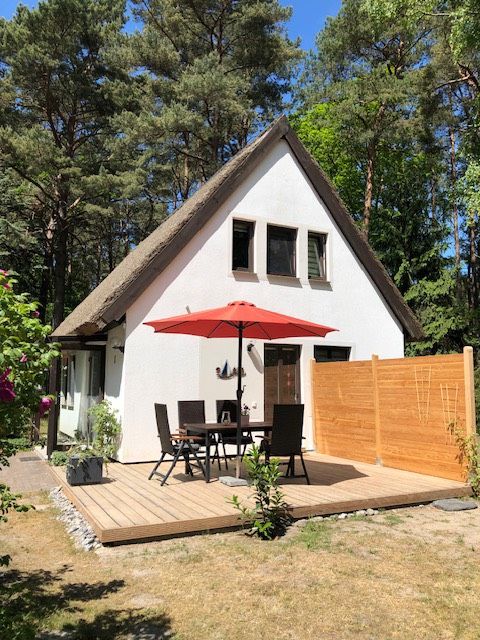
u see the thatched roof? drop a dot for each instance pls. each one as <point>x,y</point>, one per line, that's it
<point>110,300</point>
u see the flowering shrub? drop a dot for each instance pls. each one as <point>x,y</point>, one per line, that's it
<point>25,357</point>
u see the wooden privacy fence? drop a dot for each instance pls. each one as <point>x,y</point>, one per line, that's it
<point>396,412</point>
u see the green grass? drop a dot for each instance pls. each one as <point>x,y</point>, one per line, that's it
<point>315,535</point>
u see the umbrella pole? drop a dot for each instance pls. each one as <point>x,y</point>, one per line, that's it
<point>239,401</point>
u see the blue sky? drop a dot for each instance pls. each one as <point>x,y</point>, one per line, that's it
<point>308,16</point>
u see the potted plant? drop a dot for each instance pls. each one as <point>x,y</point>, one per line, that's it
<point>245,414</point>
<point>85,462</point>
<point>84,466</point>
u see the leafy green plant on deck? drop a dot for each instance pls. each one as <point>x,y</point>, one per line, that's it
<point>269,518</point>
<point>469,449</point>
<point>106,428</point>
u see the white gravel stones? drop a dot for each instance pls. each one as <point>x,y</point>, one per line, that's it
<point>75,524</point>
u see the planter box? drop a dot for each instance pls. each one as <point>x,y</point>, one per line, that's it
<point>84,471</point>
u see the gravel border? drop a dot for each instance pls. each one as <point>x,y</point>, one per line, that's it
<point>77,527</point>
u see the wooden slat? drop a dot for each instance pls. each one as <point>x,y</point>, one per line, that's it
<point>398,410</point>
<point>128,507</point>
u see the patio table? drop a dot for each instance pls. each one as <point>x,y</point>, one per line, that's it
<point>210,428</point>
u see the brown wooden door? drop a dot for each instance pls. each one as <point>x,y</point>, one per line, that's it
<point>281,376</point>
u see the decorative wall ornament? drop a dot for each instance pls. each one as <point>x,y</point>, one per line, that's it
<point>225,373</point>
<point>449,407</point>
<point>423,377</point>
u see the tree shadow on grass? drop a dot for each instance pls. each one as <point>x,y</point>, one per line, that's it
<point>27,599</point>
<point>128,624</point>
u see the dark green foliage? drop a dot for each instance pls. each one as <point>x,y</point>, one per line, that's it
<point>218,70</point>
<point>389,107</point>
<point>270,517</point>
<point>59,458</point>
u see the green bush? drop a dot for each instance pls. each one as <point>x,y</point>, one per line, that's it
<point>270,517</point>
<point>25,356</point>
<point>59,458</point>
<point>106,429</point>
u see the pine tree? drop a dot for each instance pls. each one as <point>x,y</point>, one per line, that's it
<point>218,71</point>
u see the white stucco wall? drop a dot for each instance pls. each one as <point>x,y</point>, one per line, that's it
<point>167,368</point>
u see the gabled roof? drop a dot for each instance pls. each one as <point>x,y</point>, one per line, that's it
<point>110,300</point>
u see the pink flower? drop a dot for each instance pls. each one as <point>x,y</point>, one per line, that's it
<point>7,393</point>
<point>45,404</point>
<point>3,272</point>
<point>36,314</point>
<point>23,359</point>
<point>7,286</point>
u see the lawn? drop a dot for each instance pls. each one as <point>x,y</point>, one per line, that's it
<point>408,574</point>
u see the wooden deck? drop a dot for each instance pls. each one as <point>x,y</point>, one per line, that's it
<point>127,507</point>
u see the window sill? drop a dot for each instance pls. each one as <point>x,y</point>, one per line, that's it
<point>249,276</point>
<point>320,283</point>
<point>286,280</point>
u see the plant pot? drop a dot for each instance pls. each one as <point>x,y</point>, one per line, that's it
<point>245,419</point>
<point>84,470</point>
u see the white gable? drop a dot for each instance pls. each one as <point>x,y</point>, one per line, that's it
<point>167,368</point>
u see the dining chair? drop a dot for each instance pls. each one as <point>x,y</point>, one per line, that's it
<point>174,444</point>
<point>193,411</point>
<point>286,437</point>
<point>228,437</point>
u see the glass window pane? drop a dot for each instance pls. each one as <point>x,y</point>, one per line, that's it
<point>330,354</point>
<point>316,255</point>
<point>281,251</point>
<point>242,251</point>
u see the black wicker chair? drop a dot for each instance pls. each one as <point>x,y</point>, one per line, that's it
<point>286,437</point>
<point>227,436</point>
<point>192,411</point>
<point>174,444</point>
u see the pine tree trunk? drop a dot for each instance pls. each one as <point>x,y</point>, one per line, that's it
<point>456,236</point>
<point>472,264</point>
<point>367,208</point>
<point>45,284</point>
<point>59,273</point>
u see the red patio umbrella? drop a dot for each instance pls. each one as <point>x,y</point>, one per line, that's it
<point>240,320</point>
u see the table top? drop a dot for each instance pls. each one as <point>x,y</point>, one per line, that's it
<point>212,427</point>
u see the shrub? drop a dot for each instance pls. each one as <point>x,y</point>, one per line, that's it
<point>59,458</point>
<point>25,356</point>
<point>269,518</point>
<point>106,429</point>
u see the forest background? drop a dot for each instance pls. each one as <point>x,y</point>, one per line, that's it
<point>112,114</point>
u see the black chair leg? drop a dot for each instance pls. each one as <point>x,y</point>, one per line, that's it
<point>225,455</point>
<point>156,466</point>
<point>304,468</point>
<point>188,466</point>
<point>217,455</point>
<point>194,453</point>
<point>174,462</point>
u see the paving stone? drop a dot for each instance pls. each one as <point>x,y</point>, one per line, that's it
<point>453,504</point>
<point>230,481</point>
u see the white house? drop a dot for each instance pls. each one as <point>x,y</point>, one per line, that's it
<point>268,228</point>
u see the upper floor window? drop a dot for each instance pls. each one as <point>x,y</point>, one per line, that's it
<point>281,250</point>
<point>317,264</point>
<point>242,250</point>
<point>322,353</point>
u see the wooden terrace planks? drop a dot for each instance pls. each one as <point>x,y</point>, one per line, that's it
<point>127,507</point>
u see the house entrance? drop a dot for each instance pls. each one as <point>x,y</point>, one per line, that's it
<point>281,376</point>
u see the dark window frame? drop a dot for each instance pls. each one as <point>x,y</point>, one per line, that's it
<point>286,230</point>
<point>324,238</point>
<point>251,230</point>
<point>329,349</point>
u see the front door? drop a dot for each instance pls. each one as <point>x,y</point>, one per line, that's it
<point>281,377</point>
